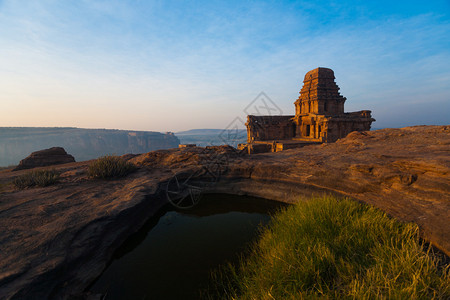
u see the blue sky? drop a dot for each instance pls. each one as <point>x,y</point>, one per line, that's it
<point>177,65</point>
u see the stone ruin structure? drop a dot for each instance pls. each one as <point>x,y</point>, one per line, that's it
<point>319,118</point>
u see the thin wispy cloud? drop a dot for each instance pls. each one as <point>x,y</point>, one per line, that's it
<point>173,66</point>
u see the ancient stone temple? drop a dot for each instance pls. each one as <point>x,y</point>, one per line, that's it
<point>319,118</point>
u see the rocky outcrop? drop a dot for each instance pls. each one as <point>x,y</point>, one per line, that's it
<point>84,144</point>
<point>54,241</point>
<point>46,157</point>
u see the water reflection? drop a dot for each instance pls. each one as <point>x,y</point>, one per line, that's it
<point>172,255</point>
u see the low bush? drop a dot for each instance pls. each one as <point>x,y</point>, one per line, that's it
<point>331,248</point>
<point>110,166</point>
<point>40,178</point>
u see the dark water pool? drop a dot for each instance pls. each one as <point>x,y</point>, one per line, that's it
<point>173,255</point>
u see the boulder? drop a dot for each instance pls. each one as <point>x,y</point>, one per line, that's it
<point>46,157</point>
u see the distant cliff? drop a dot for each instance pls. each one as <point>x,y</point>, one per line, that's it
<point>18,142</point>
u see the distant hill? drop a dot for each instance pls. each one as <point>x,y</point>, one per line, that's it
<point>199,132</point>
<point>18,142</point>
<point>212,137</point>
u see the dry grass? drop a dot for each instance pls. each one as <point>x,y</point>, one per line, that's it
<point>110,166</point>
<point>40,178</point>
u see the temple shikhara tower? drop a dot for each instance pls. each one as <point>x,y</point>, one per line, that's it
<point>319,118</point>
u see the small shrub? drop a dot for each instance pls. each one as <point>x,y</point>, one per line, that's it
<point>110,166</point>
<point>40,178</point>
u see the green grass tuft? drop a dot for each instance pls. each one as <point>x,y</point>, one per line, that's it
<point>331,248</point>
<point>40,178</point>
<point>110,166</point>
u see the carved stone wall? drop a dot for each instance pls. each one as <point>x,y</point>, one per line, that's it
<point>264,128</point>
<point>323,128</point>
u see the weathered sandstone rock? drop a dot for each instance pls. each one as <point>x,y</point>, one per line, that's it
<point>55,240</point>
<point>46,157</point>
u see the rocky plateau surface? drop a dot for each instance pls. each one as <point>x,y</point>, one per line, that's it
<point>55,241</point>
